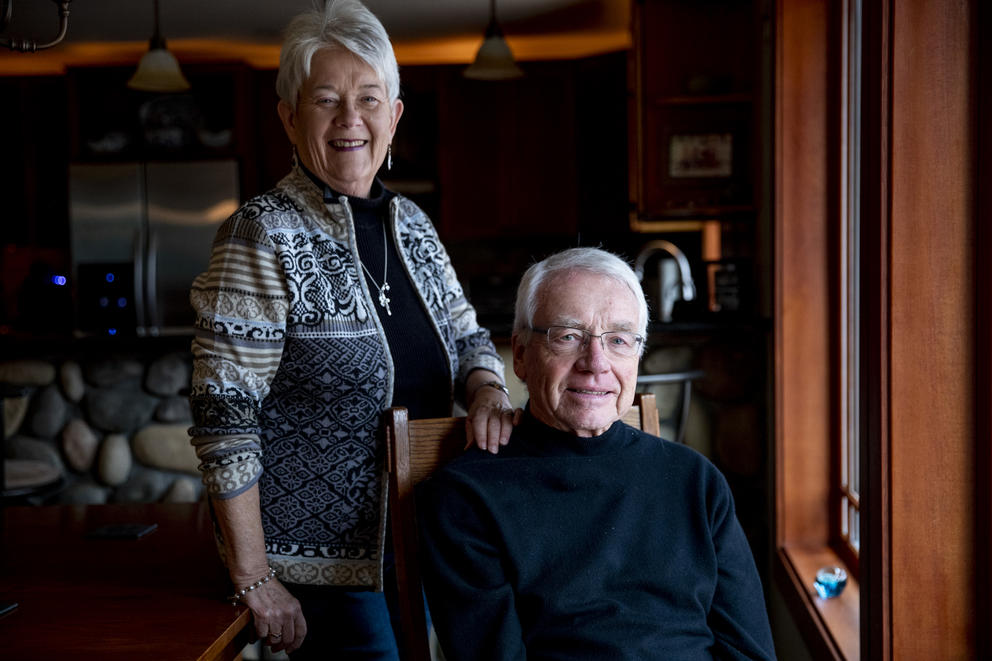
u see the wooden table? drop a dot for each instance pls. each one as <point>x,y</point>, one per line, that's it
<point>159,597</point>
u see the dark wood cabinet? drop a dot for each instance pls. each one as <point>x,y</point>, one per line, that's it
<point>33,167</point>
<point>698,148</point>
<point>34,230</point>
<point>695,135</point>
<point>508,156</point>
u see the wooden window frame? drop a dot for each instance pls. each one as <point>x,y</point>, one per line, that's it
<point>926,507</point>
<point>848,268</point>
<point>808,188</point>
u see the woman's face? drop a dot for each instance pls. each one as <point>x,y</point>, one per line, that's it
<point>343,121</point>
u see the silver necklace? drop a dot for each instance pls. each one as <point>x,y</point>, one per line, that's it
<point>383,298</point>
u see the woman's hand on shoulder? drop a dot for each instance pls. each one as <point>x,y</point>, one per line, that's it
<point>491,418</point>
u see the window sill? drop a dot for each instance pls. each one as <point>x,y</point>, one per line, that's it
<point>831,626</point>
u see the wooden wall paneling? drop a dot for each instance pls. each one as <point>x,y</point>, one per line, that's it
<point>802,343</point>
<point>600,98</point>
<point>33,181</point>
<point>806,194</point>
<point>932,332</point>
<point>507,155</point>
<point>924,564</point>
<point>635,113</point>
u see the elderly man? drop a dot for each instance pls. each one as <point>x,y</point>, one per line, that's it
<point>585,538</point>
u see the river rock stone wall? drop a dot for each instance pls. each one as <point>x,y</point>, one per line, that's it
<point>114,427</point>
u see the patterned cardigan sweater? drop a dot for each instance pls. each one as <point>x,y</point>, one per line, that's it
<point>292,371</point>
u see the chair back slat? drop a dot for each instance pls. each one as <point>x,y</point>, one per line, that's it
<point>644,414</point>
<point>433,443</point>
<point>633,416</point>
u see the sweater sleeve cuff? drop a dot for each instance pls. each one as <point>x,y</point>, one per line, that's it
<point>229,475</point>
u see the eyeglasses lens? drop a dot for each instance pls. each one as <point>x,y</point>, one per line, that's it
<point>568,341</point>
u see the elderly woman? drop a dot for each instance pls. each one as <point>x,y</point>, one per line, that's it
<point>327,299</point>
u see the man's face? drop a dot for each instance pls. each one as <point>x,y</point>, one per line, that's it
<point>588,391</point>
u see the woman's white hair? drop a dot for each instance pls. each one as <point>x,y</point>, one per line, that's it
<point>593,260</point>
<point>344,24</point>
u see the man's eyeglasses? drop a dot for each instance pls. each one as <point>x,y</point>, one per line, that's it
<point>565,341</point>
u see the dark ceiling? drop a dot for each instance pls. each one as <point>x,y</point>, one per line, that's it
<point>262,20</point>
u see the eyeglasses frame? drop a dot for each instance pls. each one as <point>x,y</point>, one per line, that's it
<point>587,339</point>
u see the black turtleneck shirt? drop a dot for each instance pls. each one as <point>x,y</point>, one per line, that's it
<point>422,378</point>
<point>619,546</point>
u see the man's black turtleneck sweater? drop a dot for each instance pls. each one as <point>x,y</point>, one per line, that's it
<point>619,546</point>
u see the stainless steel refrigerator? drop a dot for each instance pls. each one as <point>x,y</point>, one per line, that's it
<point>140,233</point>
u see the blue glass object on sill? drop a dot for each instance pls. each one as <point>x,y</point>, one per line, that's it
<point>830,582</point>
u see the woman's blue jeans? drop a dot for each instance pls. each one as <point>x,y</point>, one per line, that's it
<point>345,625</point>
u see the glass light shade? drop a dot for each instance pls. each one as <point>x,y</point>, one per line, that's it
<point>158,71</point>
<point>494,61</point>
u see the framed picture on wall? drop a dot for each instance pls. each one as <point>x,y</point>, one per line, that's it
<point>701,160</point>
<point>702,155</point>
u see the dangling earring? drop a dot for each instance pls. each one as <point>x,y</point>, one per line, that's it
<point>389,156</point>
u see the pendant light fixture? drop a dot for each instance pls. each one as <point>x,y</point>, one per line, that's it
<point>158,70</point>
<point>494,61</point>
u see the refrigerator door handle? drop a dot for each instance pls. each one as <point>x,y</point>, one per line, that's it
<point>151,280</point>
<point>140,304</point>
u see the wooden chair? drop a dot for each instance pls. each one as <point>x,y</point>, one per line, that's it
<point>415,449</point>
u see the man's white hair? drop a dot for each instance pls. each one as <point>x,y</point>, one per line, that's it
<point>592,260</point>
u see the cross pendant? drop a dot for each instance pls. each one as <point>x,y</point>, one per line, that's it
<point>383,299</point>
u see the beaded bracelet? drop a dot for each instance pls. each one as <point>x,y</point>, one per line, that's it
<point>239,595</point>
<point>494,384</point>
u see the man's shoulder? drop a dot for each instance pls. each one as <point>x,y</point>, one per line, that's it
<point>458,476</point>
<point>472,467</point>
<point>676,456</point>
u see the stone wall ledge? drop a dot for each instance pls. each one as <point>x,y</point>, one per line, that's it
<point>113,426</point>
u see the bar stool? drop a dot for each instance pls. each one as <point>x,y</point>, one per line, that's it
<point>685,378</point>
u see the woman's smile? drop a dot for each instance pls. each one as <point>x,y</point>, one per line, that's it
<point>348,145</point>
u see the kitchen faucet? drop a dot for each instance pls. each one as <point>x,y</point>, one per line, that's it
<point>674,275</point>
